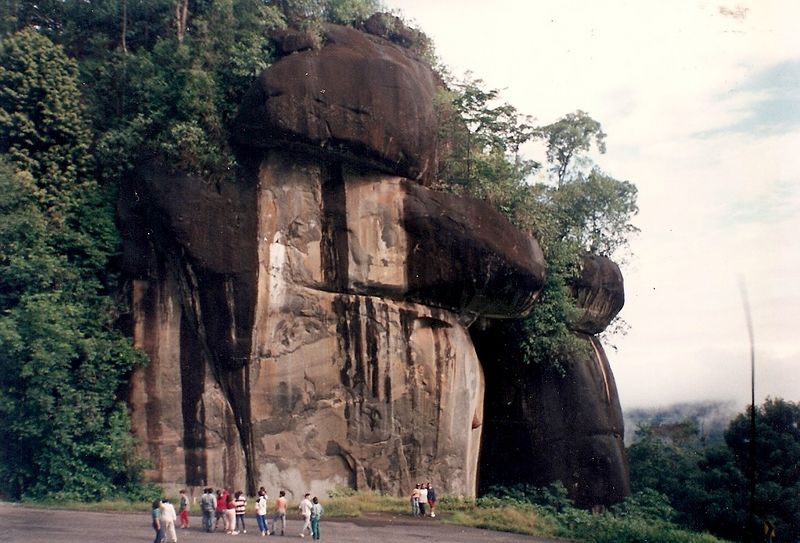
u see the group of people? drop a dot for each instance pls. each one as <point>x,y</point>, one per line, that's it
<point>230,509</point>
<point>422,495</point>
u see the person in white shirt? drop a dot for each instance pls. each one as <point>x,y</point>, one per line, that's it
<point>423,499</point>
<point>261,511</point>
<point>168,518</point>
<point>305,510</point>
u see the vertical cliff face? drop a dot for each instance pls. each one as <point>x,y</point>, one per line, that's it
<point>318,354</point>
<point>308,321</point>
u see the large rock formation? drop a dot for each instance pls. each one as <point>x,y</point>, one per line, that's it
<point>307,322</point>
<point>566,423</point>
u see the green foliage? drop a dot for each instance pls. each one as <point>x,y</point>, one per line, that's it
<point>667,467</point>
<point>65,433</point>
<point>594,212</point>
<point>567,138</point>
<point>644,517</point>
<point>348,12</point>
<point>64,430</point>
<point>552,498</point>
<point>310,13</point>
<point>709,487</point>
<point>480,138</point>
<point>41,118</point>
<point>777,459</point>
<point>607,528</point>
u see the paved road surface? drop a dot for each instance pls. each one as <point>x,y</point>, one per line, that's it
<point>27,525</point>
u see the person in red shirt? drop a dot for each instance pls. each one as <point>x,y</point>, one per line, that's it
<point>222,504</point>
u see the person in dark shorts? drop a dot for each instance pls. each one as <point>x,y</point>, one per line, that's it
<point>432,499</point>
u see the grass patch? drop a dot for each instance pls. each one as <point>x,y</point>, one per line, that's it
<point>354,504</point>
<point>505,519</point>
<point>105,506</point>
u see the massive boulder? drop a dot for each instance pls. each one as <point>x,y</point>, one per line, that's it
<point>360,98</point>
<point>309,322</point>
<point>565,421</point>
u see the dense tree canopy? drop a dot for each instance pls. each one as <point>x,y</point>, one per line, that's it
<point>64,429</point>
<point>709,486</point>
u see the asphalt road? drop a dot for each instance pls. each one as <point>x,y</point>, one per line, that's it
<point>28,525</point>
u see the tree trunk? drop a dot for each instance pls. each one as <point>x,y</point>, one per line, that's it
<point>123,43</point>
<point>181,14</point>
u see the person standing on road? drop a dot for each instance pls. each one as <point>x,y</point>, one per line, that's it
<point>222,502</point>
<point>230,516</point>
<point>305,510</point>
<point>183,509</point>
<point>156,516</point>
<point>168,518</point>
<point>415,501</point>
<point>432,499</point>
<point>423,498</point>
<point>208,503</point>
<point>241,509</point>
<point>280,513</point>
<point>261,511</point>
<point>316,514</point>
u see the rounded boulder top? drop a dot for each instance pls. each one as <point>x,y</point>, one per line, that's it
<point>359,98</point>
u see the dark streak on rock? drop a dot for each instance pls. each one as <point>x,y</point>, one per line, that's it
<point>334,229</point>
<point>371,341</point>
<point>343,339</point>
<point>193,371</point>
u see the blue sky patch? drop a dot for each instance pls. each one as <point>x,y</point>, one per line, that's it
<point>778,111</point>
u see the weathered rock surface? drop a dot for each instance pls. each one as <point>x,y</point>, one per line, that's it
<point>600,292</point>
<point>360,97</point>
<point>308,323</point>
<point>324,312</point>
<point>567,425</point>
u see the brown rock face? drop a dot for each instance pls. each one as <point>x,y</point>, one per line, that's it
<point>364,99</point>
<point>308,323</point>
<point>309,327</point>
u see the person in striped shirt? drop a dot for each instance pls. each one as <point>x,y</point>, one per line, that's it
<point>241,509</point>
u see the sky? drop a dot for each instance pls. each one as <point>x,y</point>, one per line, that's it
<point>701,104</point>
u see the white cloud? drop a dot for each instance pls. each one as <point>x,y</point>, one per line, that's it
<point>677,87</point>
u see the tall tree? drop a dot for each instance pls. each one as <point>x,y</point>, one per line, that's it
<point>567,138</point>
